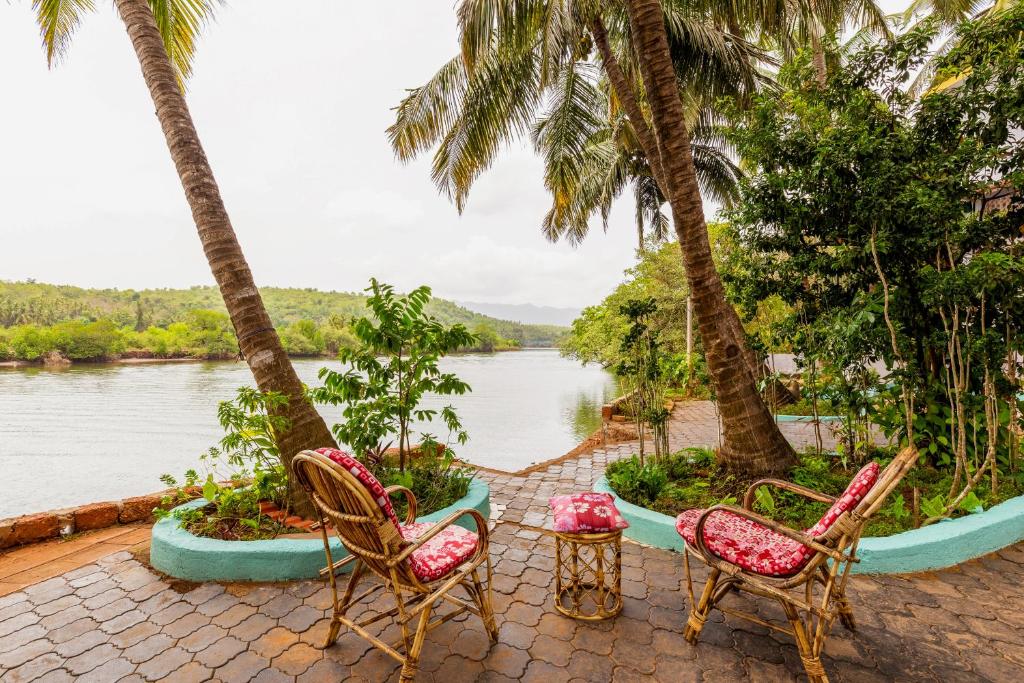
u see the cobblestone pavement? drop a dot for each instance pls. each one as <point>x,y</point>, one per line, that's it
<point>115,620</point>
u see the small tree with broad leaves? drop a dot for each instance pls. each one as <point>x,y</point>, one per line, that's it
<point>387,375</point>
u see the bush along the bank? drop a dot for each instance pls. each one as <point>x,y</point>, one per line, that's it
<point>381,386</point>
<point>235,476</point>
<point>691,479</point>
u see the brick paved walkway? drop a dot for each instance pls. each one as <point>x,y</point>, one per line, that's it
<point>114,619</point>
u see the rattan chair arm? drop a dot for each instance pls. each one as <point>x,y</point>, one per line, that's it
<point>410,516</point>
<point>748,499</point>
<point>481,532</point>
<point>782,529</point>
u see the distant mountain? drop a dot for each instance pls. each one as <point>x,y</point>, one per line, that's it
<point>525,313</point>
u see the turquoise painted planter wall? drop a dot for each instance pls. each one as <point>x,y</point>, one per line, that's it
<point>178,553</point>
<point>807,418</point>
<point>933,547</point>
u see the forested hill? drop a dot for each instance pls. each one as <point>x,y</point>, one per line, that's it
<point>32,303</point>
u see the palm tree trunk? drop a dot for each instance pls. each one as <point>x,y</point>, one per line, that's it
<point>818,58</point>
<point>752,441</point>
<point>624,93</point>
<point>257,339</point>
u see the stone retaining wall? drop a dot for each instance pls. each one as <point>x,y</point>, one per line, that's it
<point>42,526</point>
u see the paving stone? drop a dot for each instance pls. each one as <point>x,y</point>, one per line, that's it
<point>220,652</point>
<point>149,648</point>
<point>297,659</point>
<point>202,638</point>
<point>187,625</point>
<point>33,669</point>
<point>164,663</point>
<point>79,644</point>
<point>301,618</point>
<point>325,670</point>
<point>193,672</point>
<point>233,616</point>
<point>91,658</point>
<point>25,653</point>
<point>253,627</point>
<point>273,642</point>
<point>123,622</point>
<point>244,667</point>
<point>113,670</point>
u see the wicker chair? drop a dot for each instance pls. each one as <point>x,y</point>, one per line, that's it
<point>805,571</point>
<point>419,564</point>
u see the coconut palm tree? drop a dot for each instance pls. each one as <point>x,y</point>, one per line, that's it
<point>164,33</point>
<point>518,58</point>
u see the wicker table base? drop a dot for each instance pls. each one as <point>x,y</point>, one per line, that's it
<point>588,575</point>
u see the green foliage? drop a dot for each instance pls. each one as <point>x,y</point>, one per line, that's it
<point>887,225</point>
<point>692,479</point>
<point>595,337</point>
<point>395,365</point>
<point>488,340</point>
<point>437,481</point>
<point>244,469</point>
<point>169,323</point>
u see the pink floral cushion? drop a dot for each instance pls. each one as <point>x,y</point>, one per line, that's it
<point>586,513</point>
<point>854,493</point>
<point>746,543</point>
<point>441,554</point>
<point>365,478</point>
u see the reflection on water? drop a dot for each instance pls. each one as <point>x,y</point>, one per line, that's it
<point>105,432</point>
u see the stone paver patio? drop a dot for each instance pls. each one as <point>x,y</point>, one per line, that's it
<point>113,619</point>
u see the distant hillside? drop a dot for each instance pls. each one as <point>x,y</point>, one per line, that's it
<point>43,304</point>
<point>526,313</point>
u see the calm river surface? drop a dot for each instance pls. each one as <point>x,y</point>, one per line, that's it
<point>91,433</point>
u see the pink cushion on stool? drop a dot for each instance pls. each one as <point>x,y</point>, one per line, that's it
<point>586,513</point>
<point>365,477</point>
<point>441,554</point>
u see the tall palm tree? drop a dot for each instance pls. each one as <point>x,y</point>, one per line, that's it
<point>515,57</point>
<point>163,33</point>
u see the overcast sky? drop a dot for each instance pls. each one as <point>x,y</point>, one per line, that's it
<point>291,105</point>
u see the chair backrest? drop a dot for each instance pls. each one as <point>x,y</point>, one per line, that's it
<point>358,517</point>
<point>859,486</point>
<point>850,523</point>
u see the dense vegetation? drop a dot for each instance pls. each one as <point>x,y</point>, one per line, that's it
<point>95,324</point>
<point>889,228</point>
<point>691,479</point>
<point>596,336</point>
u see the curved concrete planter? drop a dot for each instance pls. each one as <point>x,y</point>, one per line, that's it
<point>933,547</point>
<point>178,553</point>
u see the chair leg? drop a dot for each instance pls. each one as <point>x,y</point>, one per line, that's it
<point>845,612</point>
<point>810,655</point>
<point>412,656</point>
<point>699,612</point>
<point>340,607</point>
<point>483,602</point>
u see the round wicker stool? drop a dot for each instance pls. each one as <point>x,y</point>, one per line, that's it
<point>588,574</point>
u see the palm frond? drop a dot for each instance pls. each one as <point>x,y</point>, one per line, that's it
<point>57,21</point>
<point>180,22</point>
<point>501,98</point>
<point>429,111</point>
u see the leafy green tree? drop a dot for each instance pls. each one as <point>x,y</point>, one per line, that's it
<point>891,226</point>
<point>389,373</point>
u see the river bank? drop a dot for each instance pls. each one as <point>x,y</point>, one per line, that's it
<point>143,359</point>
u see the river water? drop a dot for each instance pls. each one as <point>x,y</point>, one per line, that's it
<point>101,432</point>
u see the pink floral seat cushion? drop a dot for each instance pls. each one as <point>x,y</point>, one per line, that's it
<point>859,486</point>
<point>365,477</point>
<point>586,513</point>
<point>440,555</point>
<point>746,543</point>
